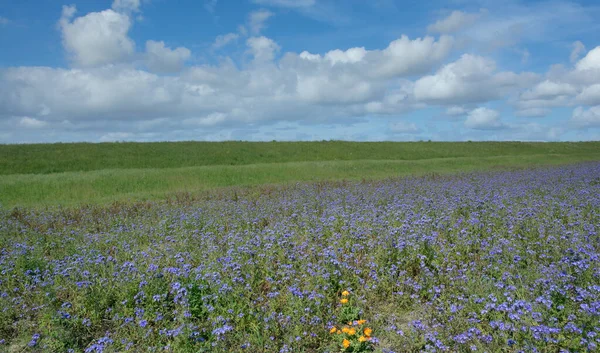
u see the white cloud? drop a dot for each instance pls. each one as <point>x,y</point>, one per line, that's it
<point>262,48</point>
<point>456,110</point>
<point>97,38</point>
<point>223,40</point>
<point>257,20</point>
<point>31,123</point>
<point>286,3</point>
<point>454,22</point>
<point>535,132</point>
<point>352,55</point>
<point>109,93</point>
<point>416,56</point>
<point>4,21</point>
<point>578,48</point>
<point>342,88</point>
<point>106,93</point>
<point>590,95</point>
<point>469,79</point>
<point>341,84</point>
<point>586,71</point>
<point>591,61</point>
<point>116,92</point>
<point>402,127</point>
<point>360,75</point>
<point>162,59</point>
<point>126,5</point>
<point>549,89</point>
<point>540,107</point>
<point>401,57</point>
<point>484,119</point>
<point>208,120</point>
<point>563,87</point>
<point>584,118</point>
<point>120,98</point>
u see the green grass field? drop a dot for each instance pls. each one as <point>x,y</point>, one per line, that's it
<point>82,173</point>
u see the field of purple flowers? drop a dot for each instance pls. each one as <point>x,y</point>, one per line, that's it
<point>486,262</point>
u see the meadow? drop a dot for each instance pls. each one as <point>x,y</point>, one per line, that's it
<point>495,261</point>
<point>72,174</point>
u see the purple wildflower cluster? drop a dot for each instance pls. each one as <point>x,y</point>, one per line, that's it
<point>480,262</point>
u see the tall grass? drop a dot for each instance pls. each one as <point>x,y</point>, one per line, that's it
<point>56,158</point>
<point>106,186</point>
<point>74,174</point>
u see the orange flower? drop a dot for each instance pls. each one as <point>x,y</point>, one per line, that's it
<point>349,323</point>
<point>344,301</point>
<point>333,329</point>
<point>368,332</point>
<point>345,293</point>
<point>345,330</point>
<point>361,339</point>
<point>352,332</point>
<point>346,343</point>
<point>338,332</point>
<point>360,322</point>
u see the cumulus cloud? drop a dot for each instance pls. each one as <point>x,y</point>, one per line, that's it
<point>162,59</point>
<point>360,75</point>
<point>223,40</point>
<point>126,5</point>
<point>586,118</point>
<point>352,55</point>
<point>31,123</point>
<point>97,38</point>
<point>548,89</point>
<point>336,85</point>
<point>401,57</point>
<point>117,93</point>
<point>339,85</point>
<point>262,48</point>
<point>591,61</point>
<point>470,79</point>
<point>76,94</point>
<point>454,22</point>
<point>257,20</point>
<point>535,132</point>
<point>563,87</point>
<point>484,119</point>
<point>590,95</point>
<point>456,110</point>
<point>415,56</point>
<point>207,120</point>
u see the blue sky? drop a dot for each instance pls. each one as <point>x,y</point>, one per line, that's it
<point>148,70</point>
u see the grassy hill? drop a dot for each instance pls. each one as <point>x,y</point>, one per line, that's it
<point>84,173</point>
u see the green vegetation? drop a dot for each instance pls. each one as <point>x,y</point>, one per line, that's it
<point>72,174</point>
<point>56,158</point>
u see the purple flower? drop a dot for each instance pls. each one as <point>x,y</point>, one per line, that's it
<point>222,330</point>
<point>34,340</point>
